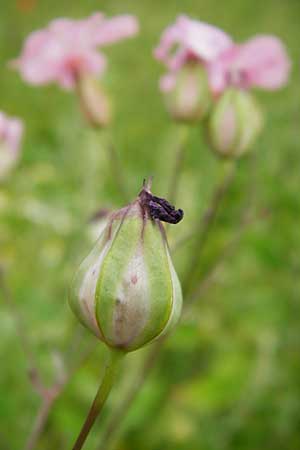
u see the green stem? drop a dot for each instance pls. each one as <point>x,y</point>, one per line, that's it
<point>39,423</point>
<point>116,170</point>
<point>103,392</point>
<point>178,166</point>
<point>206,222</point>
<point>120,412</point>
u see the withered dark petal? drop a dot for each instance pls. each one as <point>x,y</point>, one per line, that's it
<point>159,208</point>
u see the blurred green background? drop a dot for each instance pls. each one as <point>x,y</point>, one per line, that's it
<point>229,377</point>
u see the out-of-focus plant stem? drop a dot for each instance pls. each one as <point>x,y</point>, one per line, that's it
<point>206,221</point>
<point>40,422</point>
<point>183,132</point>
<point>104,131</point>
<point>49,397</point>
<point>106,384</point>
<point>33,370</point>
<point>116,169</point>
<point>210,277</point>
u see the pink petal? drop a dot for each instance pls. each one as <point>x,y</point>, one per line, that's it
<point>260,62</point>
<point>194,40</point>
<point>91,63</point>
<point>167,82</point>
<point>116,29</point>
<point>39,61</point>
<point>68,48</point>
<point>204,40</point>
<point>170,37</point>
<point>264,61</point>
<point>219,70</point>
<point>82,31</point>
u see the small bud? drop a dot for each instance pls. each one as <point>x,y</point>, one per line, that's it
<point>234,123</point>
<point>94,102</point>
<point>8,160</point>
<point>127,291</point>
<point>189,99</point>
<point>11,131</point>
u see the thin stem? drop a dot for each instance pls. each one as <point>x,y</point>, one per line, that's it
<point>101,396</point>
<point>206,222</point>
<point>123,407</point>
<point>117,170</point>
<point>49,396</point>
<point>102,127</point>
<point>178,166</point>
<point>33,370</point>
<point>39,423</point>
<point>210,277</point>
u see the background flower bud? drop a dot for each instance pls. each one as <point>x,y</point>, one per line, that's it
<point>94,102</point>
<point>11,131</point>
<point>127,291</point>
<point>234,123</point>
<point>188,98</point>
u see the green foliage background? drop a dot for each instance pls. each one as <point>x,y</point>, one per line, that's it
<point>229,375</point>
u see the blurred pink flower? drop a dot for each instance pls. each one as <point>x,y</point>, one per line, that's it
<point>189,40</point>
<point>67,48</point>
<point>260,62</point>
<point>11,131</point>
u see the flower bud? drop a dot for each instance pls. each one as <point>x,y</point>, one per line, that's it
<point>188,98</point>
<point>8,160</point>
<point>127,291</point>
<point>11,131</point>
<point>234,123</point>
<point>94,102</point>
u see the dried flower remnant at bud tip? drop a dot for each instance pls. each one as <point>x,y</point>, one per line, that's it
<point>160,208</point>
<point>127,291</point>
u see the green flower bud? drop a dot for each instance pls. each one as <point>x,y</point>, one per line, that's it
<point>127,291</point>
<point>234,123</point>
<point>94,102</point>
<point>190,98</point>
<point>8,160</point>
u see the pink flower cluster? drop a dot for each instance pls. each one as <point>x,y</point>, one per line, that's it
<point>67,49</point>
<point>260,62</point>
